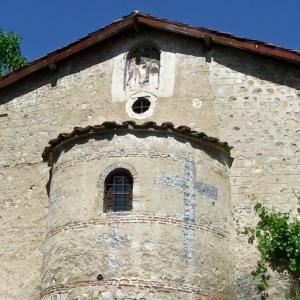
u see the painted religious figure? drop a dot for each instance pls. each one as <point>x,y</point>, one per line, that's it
<point>143,68</point>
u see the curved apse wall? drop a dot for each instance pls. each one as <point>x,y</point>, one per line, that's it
<point>175,242</point>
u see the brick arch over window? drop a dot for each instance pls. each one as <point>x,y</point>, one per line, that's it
<point>110,170</point>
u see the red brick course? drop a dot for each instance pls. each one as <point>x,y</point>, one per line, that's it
<point>141,219</point>
<point>130,282</point>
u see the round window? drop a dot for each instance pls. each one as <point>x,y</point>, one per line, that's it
<point>141,105</point>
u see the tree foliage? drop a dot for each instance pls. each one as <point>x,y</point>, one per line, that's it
<point>10,53</point>
<point>278,241</point>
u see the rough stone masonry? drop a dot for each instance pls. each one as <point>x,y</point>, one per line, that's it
<point>49,247</point>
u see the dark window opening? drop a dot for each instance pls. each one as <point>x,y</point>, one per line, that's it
<point>141,105</point>
<point>118,191</point>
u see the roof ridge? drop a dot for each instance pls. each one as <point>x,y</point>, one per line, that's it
<point>211,30</point>
<point>144,19</point>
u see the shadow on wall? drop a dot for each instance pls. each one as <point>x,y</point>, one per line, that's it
<point>210,151</point>
<point>94,55</point>
<point>258,66</point>
<point>216,154</point>
<point>241,61</point>
<point>248,289</point>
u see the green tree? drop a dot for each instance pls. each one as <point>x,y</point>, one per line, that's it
<point>278,240</point>
<point>10,53</point>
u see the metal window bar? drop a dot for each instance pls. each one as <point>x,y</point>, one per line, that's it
<point>118,194</point>
<point>141,105</point>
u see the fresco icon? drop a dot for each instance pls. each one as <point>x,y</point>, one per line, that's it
<point>142,69</point>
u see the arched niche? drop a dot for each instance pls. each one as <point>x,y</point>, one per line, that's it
<point>142,69</point>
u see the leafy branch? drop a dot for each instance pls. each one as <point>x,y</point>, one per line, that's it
<point>278,241</point>
<point>10,53</point>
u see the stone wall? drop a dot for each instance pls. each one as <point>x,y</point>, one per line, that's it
<point>249,101</point>
<point>177,232</point>
<point>261,104</point>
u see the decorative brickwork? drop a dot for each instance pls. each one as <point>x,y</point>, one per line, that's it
<point>138,219</point>
<point>108,170</point>
<point>131,282</point>
<point>115,166</point>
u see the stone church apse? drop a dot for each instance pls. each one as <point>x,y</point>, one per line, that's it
<point>137,209</point>
<point>138,212</point>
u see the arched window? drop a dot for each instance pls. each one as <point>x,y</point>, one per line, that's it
<point>142,68</point>
<point>118,191</point>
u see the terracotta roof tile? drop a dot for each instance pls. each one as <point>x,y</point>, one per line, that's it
<point>166,127</point>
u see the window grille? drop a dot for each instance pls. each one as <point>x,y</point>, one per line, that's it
<point>141,105</point>
<point>118,191</point>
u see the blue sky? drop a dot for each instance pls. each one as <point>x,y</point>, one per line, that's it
<point>48,25</point>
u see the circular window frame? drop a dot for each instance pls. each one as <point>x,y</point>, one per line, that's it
<point>146,114</point>
<point>141,103</point>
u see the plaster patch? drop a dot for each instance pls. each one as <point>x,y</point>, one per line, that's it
<point>54,196</point>
<point>137,205</point>
<point>135,244</point>
<point>149,246</point>
<point>197,103</point>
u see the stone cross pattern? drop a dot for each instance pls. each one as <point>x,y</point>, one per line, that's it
<point>190,187</point>
<point>54,196</point>
<point>113,240</point>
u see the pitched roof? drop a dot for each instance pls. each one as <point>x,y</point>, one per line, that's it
<point>136,19</point>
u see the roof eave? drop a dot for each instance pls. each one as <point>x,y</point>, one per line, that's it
<point>50,60</point>
<point>222,39</point>
<point>67,51</point>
